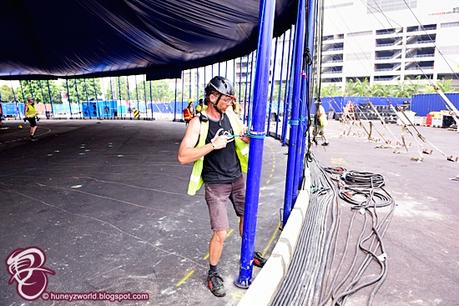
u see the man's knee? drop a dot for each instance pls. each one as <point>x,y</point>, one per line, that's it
<point>219,236</point>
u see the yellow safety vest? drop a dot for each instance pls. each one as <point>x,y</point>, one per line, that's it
<point>31,111</point>
<point>242,151</point>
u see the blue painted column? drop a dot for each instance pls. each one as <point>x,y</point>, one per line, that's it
<point>128,97</point>
<point>68,97</point>
<point>300,137</point>
<point>120,97</point>
<point>95,95</point>
<point>189,93</point>
<point>249,109</point>
<point>183,89</point>
<point>151,99</point>
<point>16,101</point>
<point>145,99</point>
<point>280,88</point>
<point>245,91</point>
<point>197,84</point>
<point>287,92</point>
<point>175,101</point>
<point>294,121</point>
<point>240,79</point>
<point>50,98</point>
<point>257,132</point>
<point>272,88</point>
<point>78,99</point>
<point>308,84</point>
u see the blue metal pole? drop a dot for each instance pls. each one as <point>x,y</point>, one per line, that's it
<point>234,71</point>
<point>272,87</point>
<point>267,8</point>
<point>280,88</point>
<point>128,97</point>
<point>16,101</point>
<point>240,80</point>
<point>175,101</point>
<point>308,84</point>
<point>23,97</point>
<point>246,88</point>
<point>151,100</point>
<point>183,89</point>
<point>137,93</point>
<point>189,93</point>
<point>249,113</point>
<point>111,88</point>
<point>68,97</point>
<point>97,101</point>
<point>78,99</point>
<point>120,97</point>
<point>145,98</point>
<point>87,98</point>
<point>287,92</point>
<point>50,98</point>
<point>300,137</point>
<point>298,62</point>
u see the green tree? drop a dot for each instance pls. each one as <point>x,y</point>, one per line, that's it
<point>331,91</point>
<point>6,93</point>
<point>83,89</point>
<point>38,89</point>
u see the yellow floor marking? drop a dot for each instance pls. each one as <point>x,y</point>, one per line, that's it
<point>268,181</point>
<point>185,278</point>
<point>270,240</point>
<point>227,235</point>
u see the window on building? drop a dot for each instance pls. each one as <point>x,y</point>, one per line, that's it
<point>450,24</point>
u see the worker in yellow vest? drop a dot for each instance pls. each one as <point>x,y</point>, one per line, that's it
<point>31,116</point>
<point>217,144</point>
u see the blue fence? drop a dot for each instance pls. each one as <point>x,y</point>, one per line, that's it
<point>337,104</point>
<point>426,103</point>
<point>11,109</point>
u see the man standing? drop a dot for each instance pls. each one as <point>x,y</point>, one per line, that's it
<point>216,142</point>
<point>31,116</point>
<point>201,106</point>
<point>320,122</point>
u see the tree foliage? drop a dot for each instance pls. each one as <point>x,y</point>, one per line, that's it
<point>401,90</point>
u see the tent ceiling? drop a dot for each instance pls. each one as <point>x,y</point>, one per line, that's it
<point>160,38</point>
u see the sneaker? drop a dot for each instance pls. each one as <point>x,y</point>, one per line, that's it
<point>215,284</point>
<point>325,144</point>
<point>258,260</point>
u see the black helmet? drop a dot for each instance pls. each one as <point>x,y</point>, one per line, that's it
<point>221,85</point>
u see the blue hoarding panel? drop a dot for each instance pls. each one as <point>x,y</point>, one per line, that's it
<point>426,103</point>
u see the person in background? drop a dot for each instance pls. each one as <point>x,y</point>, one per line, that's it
<point>31,116</point>
<point>188,112</point>
<point>201,106</point>
<point>320,122</point>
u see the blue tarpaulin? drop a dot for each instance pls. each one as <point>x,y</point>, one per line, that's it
<point>159,38</point>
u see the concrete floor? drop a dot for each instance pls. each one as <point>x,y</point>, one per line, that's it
<point>106,201</point>
<point>421,242</point>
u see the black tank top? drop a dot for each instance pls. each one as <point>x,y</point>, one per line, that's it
<point>221,166</point>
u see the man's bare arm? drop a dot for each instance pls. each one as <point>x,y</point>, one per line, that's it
<point>187,152</point>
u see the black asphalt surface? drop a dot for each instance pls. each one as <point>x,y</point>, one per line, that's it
<point>421,242</point>
<point>106,201</point>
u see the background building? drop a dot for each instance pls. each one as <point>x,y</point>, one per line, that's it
<point>388,41</point>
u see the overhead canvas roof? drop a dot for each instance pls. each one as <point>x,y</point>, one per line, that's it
<point>91,38</point>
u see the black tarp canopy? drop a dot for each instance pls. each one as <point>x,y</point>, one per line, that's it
<point>159,38</point>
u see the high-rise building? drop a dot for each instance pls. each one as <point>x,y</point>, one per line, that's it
<point>389,41</point>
